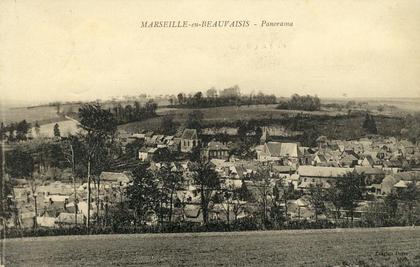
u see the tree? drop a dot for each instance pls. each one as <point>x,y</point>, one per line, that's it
<point>100,127</point>
<point>349,191</point>
<point>316,198</point>
<point>168,126</point>
<point>262,180</point>
<point>132,148</point>
<point>37,128</point>
<point>194,120</point>
<point>22,129</point>
<point>244,193</point>
<point>197,98</point>
<point>57,130</point>
<point>207,181</point>
<point>391,205</point>
<point>409,197</point>
<point>68,147</point>
<point>298,102</point>
<point>58,106</point>
<point>143,193</point>
<point>6,209</point>
<point>162,154</point>
<point>171,181</point>
<point>150,108</point>
<point>333,194</point>
<point>181,98</point>
<point>19,162</point>
<point>231,203</point>
<point>212,92</point>
<point>412,127</point>
<point>369,124</point>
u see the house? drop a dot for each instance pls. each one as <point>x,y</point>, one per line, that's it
<point>193,214</point>
<point>387,185</point>
<point>275,151</point>
<point>319,160</point>
<point>189,140</point>
<point>116,178</point>
<point>393,165</point>
<point>372,174</point>
<point>45,221</point>
<point>300,209</point>
<point>389,182</point>
<point>216,150</point>
<point>307,155</point>
<point>67,219</point>
<point>348,158</point>
<point>148,136</point>
<point>321,175</point>
<point>143,153</point>
<point>368,161</point>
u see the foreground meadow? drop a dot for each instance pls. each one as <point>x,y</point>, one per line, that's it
<point>338,247</point>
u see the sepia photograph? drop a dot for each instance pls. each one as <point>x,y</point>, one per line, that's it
<point>209,133</point>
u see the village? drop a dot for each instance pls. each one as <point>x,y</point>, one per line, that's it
<point>279,181</point>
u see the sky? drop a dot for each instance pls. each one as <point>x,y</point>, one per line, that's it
<point>91,49</point>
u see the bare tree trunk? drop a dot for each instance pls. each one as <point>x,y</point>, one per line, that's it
<point>36,212</point>
<point>170,206</point>
<point>228,212</point>
<point>97,202</point>
<point>204,206</point>
<point>285,203</point>
<point>88,211</point>
<point>74,185</point>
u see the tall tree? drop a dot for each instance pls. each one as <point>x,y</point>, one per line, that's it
<point>19,162</point>
<point>194,120</point>
<point>168,126</point>
<point>207,181</point>
<point>212,92</point>
<point>409,196</point>
<point>181,98</point>
<point>143,193</point>
<point>369,124</point>
<point>57,130</point>
<point>262,179</point>
<point>171,182</point>
<point>349,191</point>
<point>5,191</point>
<point>391,205</point>
<point>69,147</point>
<point>37,128</point>
<point>316,198</point>
<point>100,127</point>
<point>22,129</point>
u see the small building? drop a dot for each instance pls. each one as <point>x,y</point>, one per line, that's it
<point>321,175</point>
<point>143,153</point>
<point>216,150</point>
<point>372,175</point>
<point>189,140</point>
<point>120,178</point>
<point>275,151</point>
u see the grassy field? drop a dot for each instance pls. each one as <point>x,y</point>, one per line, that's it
<point>221,114</point>
<point>339,247</point>
<point>29,114</point>
<point>340,127</point>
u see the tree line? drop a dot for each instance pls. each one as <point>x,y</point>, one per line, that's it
<point>227,97</point>
<point>135,112</point>
<point>15,131</point>
<point>297,102</point>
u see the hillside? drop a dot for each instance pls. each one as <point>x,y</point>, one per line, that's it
<point>333,124</point>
